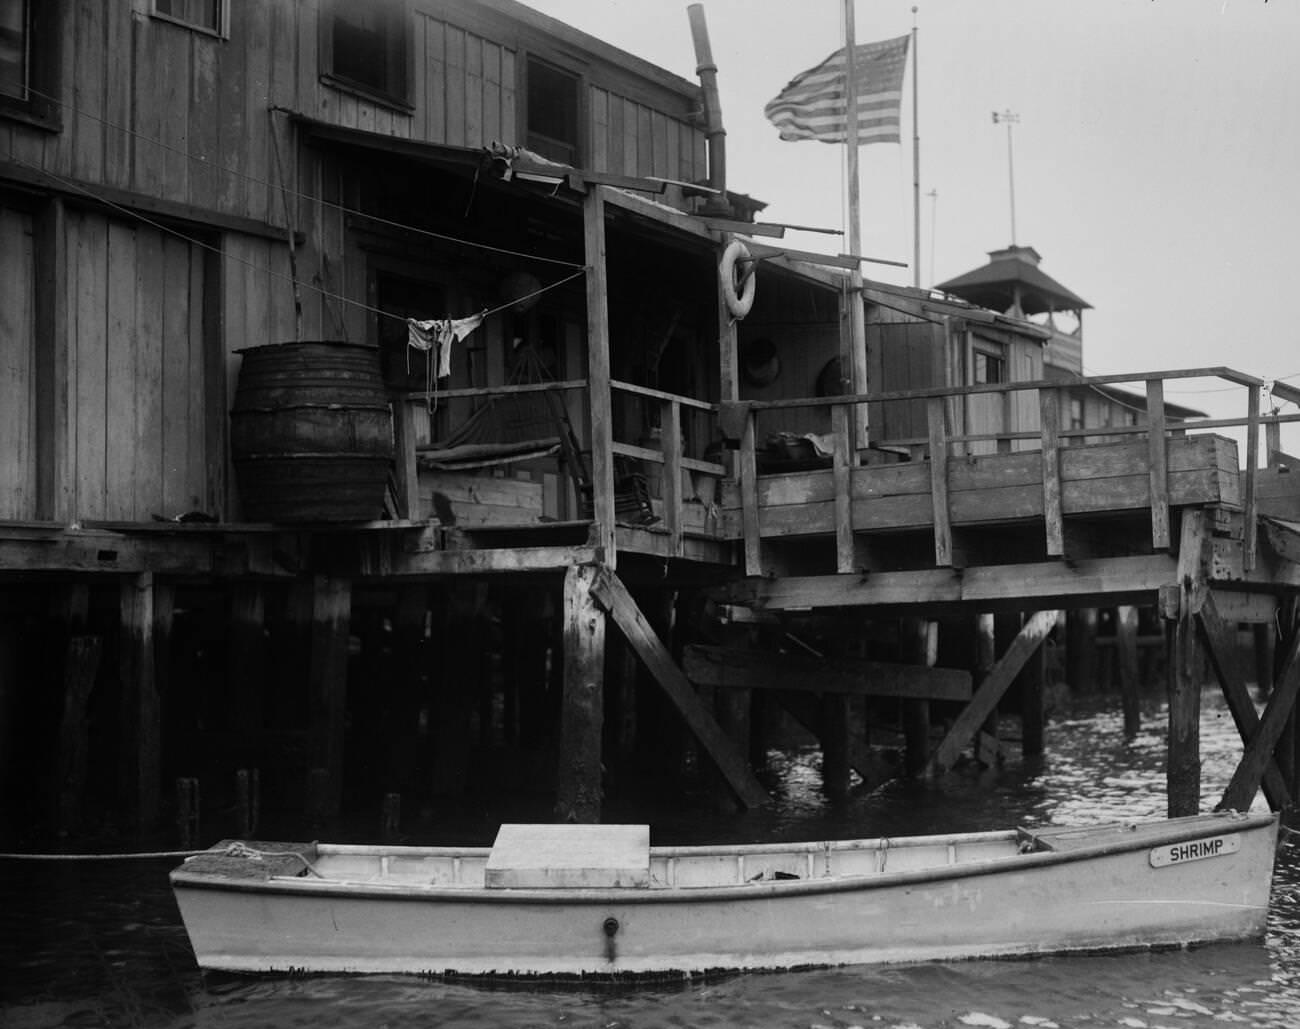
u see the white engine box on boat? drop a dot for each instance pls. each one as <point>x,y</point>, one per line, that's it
<point>569,857</point>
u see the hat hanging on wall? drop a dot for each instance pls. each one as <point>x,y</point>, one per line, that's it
<point>759,362</point>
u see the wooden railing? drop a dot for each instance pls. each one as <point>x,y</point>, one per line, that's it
<point>1050,436</point>
<point>938,446</point>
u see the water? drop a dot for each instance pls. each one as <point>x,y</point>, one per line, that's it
<point>90,945</point>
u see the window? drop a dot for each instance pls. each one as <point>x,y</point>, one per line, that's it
<point>1076,413</point>
<point>29,72</point>
<point>990,364</point>
<point>552,112</point>
<point>365,49</point>
<point>208,15</point>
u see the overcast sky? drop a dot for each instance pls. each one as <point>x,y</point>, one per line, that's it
<point>1156,160</point>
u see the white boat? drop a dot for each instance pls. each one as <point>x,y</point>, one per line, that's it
<point>597,900</point>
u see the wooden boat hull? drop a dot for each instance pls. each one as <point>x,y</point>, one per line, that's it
<point>1093,891</point>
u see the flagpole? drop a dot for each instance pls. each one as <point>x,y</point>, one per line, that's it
<point>857,341</point>
<point>916,166</point>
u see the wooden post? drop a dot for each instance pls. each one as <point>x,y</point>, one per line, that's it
<point>141,748</point>
<point>1049,405</point>
<point>246,657</point>
<point>187,812</point>
<point>327,681</point>
<point>390,828</point>
<point>916,649</point>
<point>1081,650</point>
<point>1183,772</point>
<point>248,800</point>
<point>748,462</point>
<point>1249,502</point>
<point>670,424</point>
<point>1126,643</point>
<point>578,782</point>
<point>836,729</point>
<point>405,467</point>
<point>1032,712</point>
<point>598,372</point>
<point>81,665</point>
<point>935,412</point>
<point>842,471</point>
<point>1158,464</point>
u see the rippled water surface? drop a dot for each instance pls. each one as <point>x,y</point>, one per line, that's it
<point>93,945</point>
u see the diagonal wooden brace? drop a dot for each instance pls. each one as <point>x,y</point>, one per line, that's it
<point>610,593</point>
<point>1259,751</point>
<point>986,698</point>
<point>1218,644</point>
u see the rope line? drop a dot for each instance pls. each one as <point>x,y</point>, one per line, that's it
<point>342,208</point>
<point>262,269</point>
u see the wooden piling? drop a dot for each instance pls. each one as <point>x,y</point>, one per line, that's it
<point>390,827</point>
<point>140,721</point>
<point>1126,645</point>
<point>1183,770</point>
<point>917,645</point>
<point>577,792</point>
<point>248,801</point>
<point>246,656</point>
<point>80,667</point>
<point>1081,650</point>
<point>327,681</point>
<point>187,812</point>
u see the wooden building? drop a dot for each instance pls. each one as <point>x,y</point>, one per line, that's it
<point>364,364</point>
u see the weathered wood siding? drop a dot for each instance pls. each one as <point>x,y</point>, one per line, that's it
<point>17,366</point>
<point>136,382</point>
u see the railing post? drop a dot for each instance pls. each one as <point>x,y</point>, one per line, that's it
<point>1249,538</point>
<point>408,474</point>
<point>670,424</point>
<point>935,409</point>
<point>1049,405</point>
<point>842,472</point>
<point>1158,462</point>
<point>749,496</point>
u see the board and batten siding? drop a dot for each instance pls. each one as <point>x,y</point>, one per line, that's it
<point>18,498</point>
<point>136,382</point>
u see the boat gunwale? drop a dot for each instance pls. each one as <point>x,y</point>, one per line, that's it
<point>1157,834</point>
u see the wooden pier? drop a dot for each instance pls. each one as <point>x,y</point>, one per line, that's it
<point>622,528</point>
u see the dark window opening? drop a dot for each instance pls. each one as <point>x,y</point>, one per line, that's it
<point>29,71</point>
<point>989,367</point>
<point>202,14</point>
<point>552,112</point>
<point>367,48</point>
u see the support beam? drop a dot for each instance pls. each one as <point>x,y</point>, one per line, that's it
<point>613,596</point>
<point>1049,405</point>
<point>986,698</point>
<point>1126,645</point>
<point>990,587</point>
<point>805,709</point>
<point>936,410</point>
<point>1219,646</point>
<point>582,715</point>
<point>745,668</point>
<point>1259,752</point>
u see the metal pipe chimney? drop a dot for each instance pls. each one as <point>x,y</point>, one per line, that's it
<point>714,133</point>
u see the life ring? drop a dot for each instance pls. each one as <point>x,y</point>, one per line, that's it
<point>738,301</point>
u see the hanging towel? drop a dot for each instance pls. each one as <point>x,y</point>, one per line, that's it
<point>438,334</point>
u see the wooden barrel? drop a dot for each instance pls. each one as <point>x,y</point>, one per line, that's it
<point>311,433</point>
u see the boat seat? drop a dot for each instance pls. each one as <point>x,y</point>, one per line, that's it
<point>569,857</point>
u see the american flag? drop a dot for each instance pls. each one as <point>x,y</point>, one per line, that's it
<point>813,105</point>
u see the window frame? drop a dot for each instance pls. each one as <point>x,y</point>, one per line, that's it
<point>580,141</point>
<point>398,89</point>
<point>41,107</point>
<point>221,30</point>
<point>991,355</point>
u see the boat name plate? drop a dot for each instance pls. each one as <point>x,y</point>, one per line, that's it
<point>1194,850</point>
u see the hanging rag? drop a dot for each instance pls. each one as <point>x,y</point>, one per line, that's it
<point>438,335</point>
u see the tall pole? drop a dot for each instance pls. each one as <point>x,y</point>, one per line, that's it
<point>1011,118</point>
<point>856,341</point>
<point>916,166</point>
